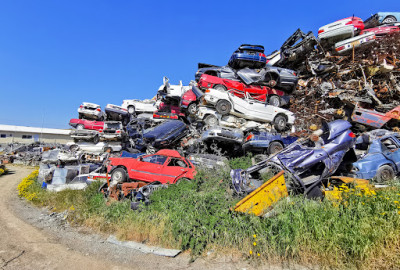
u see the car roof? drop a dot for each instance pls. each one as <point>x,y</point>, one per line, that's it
<point>169,152</point>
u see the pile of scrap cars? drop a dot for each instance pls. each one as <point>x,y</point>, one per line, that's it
<point>320,109</point>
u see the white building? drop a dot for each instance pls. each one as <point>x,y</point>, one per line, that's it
<point>21,134</point>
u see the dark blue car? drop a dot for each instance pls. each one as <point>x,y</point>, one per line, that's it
<point>266,142</point>
<point>251,56</point>
<point>165,135</point>
<point>381,159</point>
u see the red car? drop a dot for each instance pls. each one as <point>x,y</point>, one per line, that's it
<point>86,124</point>
<point>382,31</point>
<point>190,100</point>
<point>258,92</point>
<point>167,111</point>
<point>166,166</point>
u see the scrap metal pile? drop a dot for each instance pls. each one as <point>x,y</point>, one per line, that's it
<point>344,82</point>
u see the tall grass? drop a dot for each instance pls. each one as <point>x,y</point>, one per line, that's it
<point>361,231</point>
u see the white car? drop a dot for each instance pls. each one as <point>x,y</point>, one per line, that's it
<point>91,111</point>
<point>341,29</point>
<point>226,102</point>
<point>100,147</point>
<point>348,44</point>
<point>173,91</point>
<point>212,118</point>
<point>140,106</point>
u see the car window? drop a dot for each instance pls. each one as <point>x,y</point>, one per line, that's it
<point>389,144</point>
<point>156,159</point>
<point>176,162</point>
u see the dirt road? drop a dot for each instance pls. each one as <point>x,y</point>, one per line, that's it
<point>31,239</point>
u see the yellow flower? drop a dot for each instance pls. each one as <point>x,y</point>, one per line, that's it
<point>254,235</point>
<point>383,213</point>
<point>396,202</point>
<point>258,254</point>
<point>398,212</point>
<point>251,252</point>
<point>254,244</point>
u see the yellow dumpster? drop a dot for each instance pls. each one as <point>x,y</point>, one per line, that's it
<point>261,200</point>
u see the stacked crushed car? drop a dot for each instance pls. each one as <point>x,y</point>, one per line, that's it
<point>345,81</point>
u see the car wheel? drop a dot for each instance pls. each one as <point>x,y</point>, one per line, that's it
<point>74,148</point>
<point>80,127</point>
<point>274,147</point>
<point>131,109</point>
<point>192,108</point>
<point>118,176</point>
<point>102,118</point>
<point>389,19</point>
<point>384,174</point>
<point>223,107</point>
<point>211,120</point>
<point>275,101</point>
<point>219,87</point>
<point>183,179</point>
<point>280,123</point>
<point>96,139</point>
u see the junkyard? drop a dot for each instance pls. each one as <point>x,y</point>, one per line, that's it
<point>287,158</point>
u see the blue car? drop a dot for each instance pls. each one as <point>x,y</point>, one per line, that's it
<point>382,155</point>
<point>381,18</point>
<point>251,56</point>
<point>266,142</point>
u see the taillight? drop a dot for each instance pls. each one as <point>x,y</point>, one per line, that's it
<point>100,130</point>
<point>351,134</point>
<point>98,109</point>
<point>249,137</point>
<point>340,48</point>
<point>321,31</point>
<point>294,73</point>
<point>118,131</point>
<point>81,106</point>
<point>262,55</point>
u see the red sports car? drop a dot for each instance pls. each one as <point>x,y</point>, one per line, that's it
<point>166,166</point>
<point>86,124</point>
<point>258,92</point>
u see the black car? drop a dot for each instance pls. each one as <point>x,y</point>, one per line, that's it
<point>165,135</point>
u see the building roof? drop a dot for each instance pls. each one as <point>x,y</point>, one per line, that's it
<point>38,130</point>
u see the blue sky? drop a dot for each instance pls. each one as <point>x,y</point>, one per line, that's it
<point>56,54</point>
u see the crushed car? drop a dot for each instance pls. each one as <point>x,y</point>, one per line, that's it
<point>308,161</point>
<point>248,55</point>
<point>379,156</point>
<point>117,113</point>
<point>349,44</point>
<point>261,142</point>
<point>91,111</point>
<point>226,102</point>
<point>136,106</point>
<point>86,124</point>
<point>374,119</point>
<point>340,30</point>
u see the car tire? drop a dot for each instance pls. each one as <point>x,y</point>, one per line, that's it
<point>192,108</point>
<point>183,179</point>
<point>389,19</point>
<point>274,147</point>
<point>102,118</point>
<point>219,87</point>
<point>384,174</point>
<point>280,123</point>
<point>223,107</point>
<point>74,148</point>
<point>131,109</point>
<point>96,139</point>
<point>80,127</point>
<point>211,120</point>
<point>118,175</point>
<point>275,101</point>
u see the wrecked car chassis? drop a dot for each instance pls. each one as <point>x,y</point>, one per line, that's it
<point>307,165</point>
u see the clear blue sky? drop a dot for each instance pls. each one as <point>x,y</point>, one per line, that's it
<point>56,54</point>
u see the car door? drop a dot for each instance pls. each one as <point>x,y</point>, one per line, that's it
<point>148,168</point>
<point>98,125</point>
<point>174,167</point>
<point>391,150</point>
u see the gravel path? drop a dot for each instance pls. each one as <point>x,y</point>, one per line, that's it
<point>33,238</point>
